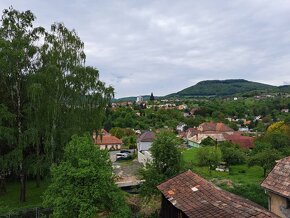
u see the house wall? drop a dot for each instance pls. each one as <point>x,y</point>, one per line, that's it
<point>169,211</point>
<point>144,146</point>
<point>110,147</point>
<point>193,144</point>
<point>278,205</point>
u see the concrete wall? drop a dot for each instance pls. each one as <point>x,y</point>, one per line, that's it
<point>278,205</point>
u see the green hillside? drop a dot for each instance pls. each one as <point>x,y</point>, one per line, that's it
<point>223,88</point>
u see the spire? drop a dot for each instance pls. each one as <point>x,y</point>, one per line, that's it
<point>152,97</point>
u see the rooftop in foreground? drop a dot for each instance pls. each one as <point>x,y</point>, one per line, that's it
<point>196,197</point>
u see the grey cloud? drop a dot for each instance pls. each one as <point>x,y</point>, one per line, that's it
<point>165,46</point>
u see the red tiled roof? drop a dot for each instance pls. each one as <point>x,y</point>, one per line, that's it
<point>196,197</point>
<point>278,180</point>
<point>218,127</point>
<point>242,141</point>
<point>108,140</point>
<point>147,137</point>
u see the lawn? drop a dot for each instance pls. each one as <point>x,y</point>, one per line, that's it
<point>10,201</point>
<point>241,180</point>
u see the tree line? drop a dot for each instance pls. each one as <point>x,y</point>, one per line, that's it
<point>47,94</point>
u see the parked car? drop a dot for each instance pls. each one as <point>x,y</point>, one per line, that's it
<point>126,152</point>
<point>123,156</point>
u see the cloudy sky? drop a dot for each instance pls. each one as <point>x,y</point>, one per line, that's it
<point>144,46</point>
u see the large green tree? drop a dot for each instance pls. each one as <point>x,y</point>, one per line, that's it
<point>18,59</point>
<point>49,92</point>
<point>166,162</point>
<point>83,184</point>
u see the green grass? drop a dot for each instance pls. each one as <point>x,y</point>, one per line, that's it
<point>189,156</point>
<point>241,174</point>
<point>245,180</point>
<point>10,201</point>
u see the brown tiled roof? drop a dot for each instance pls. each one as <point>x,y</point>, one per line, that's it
<point>278,180</point>
<point>242,141</point>
<point>147,137</point>
<point>218,127</point>
<point>196,197</point>
<point>108,140</point>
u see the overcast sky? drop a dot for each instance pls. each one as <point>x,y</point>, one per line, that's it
<point>146,46</point>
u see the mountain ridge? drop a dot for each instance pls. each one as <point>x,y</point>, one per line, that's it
<point>223,88</point>
<point>220,88</point>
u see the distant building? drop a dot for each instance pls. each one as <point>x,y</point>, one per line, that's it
<point>246,142</point>
<point>285,110</point>
<point>139,99</point>
<point>144,143</point>
<point>277,185</point>
<point>107,141</point>
<point>244,129</point>
<point>189,195</point>
<point>216,131</point>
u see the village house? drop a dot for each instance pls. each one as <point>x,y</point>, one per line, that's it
<point>216,131</point>
<point>144,143</point>
<point>277,186</point>
<point>246,142</point>
<point>189,195</point>
<point>106,141</point>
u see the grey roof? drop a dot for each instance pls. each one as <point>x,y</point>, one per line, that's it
<point>147,137</point>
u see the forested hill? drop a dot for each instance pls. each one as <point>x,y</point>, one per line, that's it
<point>224,88</point>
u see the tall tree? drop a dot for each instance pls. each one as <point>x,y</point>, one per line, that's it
<point>166,162</point>
<point>47,88</point>
<point>18,59</point>
<point>82,184</point>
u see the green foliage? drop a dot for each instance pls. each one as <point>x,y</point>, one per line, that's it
<point>82,184</point>
<point>130,141</point>
<point>266,159</point>
<point>209,156</point>
<point>232,154</point>
<point>253,192</point>
<point>166,162</point>
<point>208,141</point>
<point>122,132</point>
<point>47,91</point>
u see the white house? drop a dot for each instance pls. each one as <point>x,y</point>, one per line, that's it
<point>143,145</point>
<point>139,99</point>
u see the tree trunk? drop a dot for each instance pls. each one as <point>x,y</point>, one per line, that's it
<point>38,163</point>
<point>22,186</point>
<point>37,178</point>
<point>19,125</point>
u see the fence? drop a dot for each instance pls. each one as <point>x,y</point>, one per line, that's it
<point>37,212</point>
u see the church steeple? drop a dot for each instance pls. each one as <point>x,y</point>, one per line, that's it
<point>152,97</point>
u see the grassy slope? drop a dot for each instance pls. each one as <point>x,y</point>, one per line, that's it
<point>246,180</point>
<point>10,201</point>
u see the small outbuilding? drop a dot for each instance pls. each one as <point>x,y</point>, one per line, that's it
<point>277,186</point>
<point>189,195</point>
